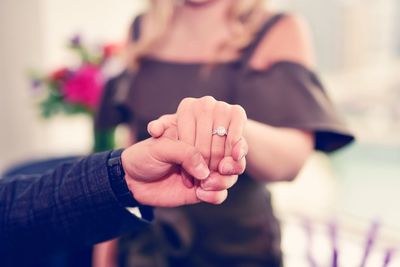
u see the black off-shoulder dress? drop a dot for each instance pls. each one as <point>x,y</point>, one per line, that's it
<point>243,231</point>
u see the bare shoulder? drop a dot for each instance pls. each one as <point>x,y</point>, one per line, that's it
<point>288,40</point>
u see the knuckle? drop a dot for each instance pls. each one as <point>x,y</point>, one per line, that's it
<point>223,105</point>
<point>231,140</point>
<point>163,119</point>
<point>206,107</point>
<point>192,155</point>
<point>187,101</point>
<point>238,110</point>
<point>208,98</point>
<point>217,152</point>
<point>205,153</point>
<point>206,104</point>
<point>195,153</point>
<point>222,108</point>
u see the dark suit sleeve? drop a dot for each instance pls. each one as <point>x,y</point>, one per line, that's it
<point>74,205</point>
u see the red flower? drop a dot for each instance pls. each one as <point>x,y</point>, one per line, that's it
<point>60,74</point>
<point>85,87</point>
<point>110,50</point>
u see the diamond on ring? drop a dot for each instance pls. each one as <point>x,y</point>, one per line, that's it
<point>220,131</point>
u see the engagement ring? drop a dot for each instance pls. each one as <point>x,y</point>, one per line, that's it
<point>220,131</point>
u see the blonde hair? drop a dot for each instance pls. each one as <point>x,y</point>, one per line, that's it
<point>244,18</point>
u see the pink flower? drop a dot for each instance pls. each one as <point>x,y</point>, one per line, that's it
<point>84,87</point>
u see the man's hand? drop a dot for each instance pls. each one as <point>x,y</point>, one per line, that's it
<point>153,172</point>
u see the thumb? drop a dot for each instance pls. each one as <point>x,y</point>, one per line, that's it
<point>177,152</point>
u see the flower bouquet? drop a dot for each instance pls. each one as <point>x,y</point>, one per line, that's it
<point>77,89</point>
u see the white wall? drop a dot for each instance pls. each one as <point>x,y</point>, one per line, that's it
<point>349,33</point>
<point>33,35</point>
<point>96,20</point>
<point>21,46</point>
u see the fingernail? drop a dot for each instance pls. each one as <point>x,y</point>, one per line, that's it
<point>242,153</point>
<point>149,127</point>
<point>200,194</point>
<point>202,171</point>
<point>227,168</point>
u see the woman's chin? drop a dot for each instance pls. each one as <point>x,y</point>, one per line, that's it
<point>199,2</point>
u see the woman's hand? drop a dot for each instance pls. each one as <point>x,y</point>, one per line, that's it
<point>197,121</point>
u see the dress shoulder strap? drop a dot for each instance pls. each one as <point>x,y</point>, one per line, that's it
<point>136,27</point>
<point>249,51</point>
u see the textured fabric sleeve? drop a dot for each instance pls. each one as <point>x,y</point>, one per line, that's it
<point>290,95</point>
<point>72,206</point>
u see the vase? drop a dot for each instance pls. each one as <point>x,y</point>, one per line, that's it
<point>103,140</point>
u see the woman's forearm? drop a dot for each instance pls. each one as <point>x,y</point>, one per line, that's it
<point>276,154</point>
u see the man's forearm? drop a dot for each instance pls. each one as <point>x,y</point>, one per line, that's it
<point>72,205</point>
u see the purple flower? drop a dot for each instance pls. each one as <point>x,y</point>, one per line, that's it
<point>388,257</point>
<point>36,83</point>
<point>333,232</point>
<point>309,231</point>
<point>371,238</point>
<point>76,40</point>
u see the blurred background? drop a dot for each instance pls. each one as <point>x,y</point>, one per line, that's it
<point>358,49</point>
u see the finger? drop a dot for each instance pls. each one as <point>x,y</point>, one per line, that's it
<point>212,197</point>
<point>157,127</point>
<point>186,124</point>
<point>229,166</point>
<point>187,179</point>
<point>217,182</point>
<point>221,119</point>
<point>171,133</point>
<point>186,121</point>
<point>236,127</point>
<point>204,123</point>
<point>240,149</point>
<point>177,152</point>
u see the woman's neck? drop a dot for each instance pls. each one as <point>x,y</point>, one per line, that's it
<point>202,19</point>
<point>196,32</point>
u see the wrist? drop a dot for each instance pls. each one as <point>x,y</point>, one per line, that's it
<point>116,175</point>
<point>133,178</point>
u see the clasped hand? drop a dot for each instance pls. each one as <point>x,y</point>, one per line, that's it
<point>194,155</point>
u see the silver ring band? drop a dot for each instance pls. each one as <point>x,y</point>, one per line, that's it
<point>220,131</point>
